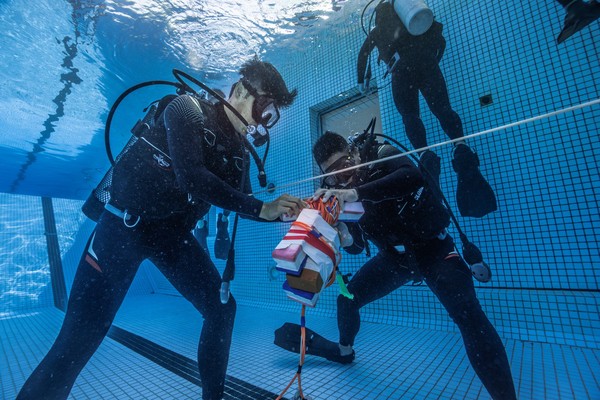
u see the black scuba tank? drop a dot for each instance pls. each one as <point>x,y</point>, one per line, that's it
<point>144,182</point>
<point>100,195</point>
<point>141,180</point>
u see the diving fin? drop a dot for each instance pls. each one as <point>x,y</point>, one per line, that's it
<point>579,15</point>
<point>474,195</point>
<point>288,338</point>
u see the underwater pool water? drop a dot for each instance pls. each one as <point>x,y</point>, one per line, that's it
<point>532,106</point>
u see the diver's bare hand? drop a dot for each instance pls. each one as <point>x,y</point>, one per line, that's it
<point>284,205</point>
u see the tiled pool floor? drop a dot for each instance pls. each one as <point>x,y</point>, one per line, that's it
<point>392,362</point>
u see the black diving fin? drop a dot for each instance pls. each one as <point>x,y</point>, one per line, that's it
<point>474,195</point>
<point>579,15</point>
<point>288,338</point>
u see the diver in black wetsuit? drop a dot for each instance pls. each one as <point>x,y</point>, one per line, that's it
<point>161,186</point>
<point>413,62</point>
<point>401,210</point>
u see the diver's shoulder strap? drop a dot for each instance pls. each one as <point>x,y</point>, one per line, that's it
<point>210,113</point>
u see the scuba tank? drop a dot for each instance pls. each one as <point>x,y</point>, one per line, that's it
<point>100,195</point>
<point>415,15</point>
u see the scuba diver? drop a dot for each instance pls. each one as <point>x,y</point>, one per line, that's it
<point>580,14</point>
<point>194,157</point>
<point>413,62</point>
<point>405,219</point>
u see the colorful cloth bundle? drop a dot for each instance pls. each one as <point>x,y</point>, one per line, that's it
<point>309,254</point>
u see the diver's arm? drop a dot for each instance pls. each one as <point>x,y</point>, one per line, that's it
<point>438,39</point>
<point>248,190</point>
<point>184,122</point>
<point>363,57</point>
<point>402,179</point>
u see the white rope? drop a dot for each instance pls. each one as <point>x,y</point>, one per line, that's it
<point>485,132</point>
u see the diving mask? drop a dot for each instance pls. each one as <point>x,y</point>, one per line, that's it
<point>264,109</point>
<point>342,179</point>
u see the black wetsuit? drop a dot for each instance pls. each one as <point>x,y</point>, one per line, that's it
<point>399,211</point>
<point>416,70</point>
<point>169,182</point>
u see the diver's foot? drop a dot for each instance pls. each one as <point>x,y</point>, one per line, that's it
<point>340,359</point>
<point>464,160</point>
<point>318,346</point>
<point>345,355</point>
<point>474,196</point>
<point>579,15</point>
<point>343,359</point>
<point>288,337</point>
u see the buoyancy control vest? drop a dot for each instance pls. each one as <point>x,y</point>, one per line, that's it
<point>143,179</point>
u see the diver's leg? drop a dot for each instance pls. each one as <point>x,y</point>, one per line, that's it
<point>406,98</point>
<point>103,276</point>
<point>449,278</point>
<point>474,195</point>
<point>194,275</point>
<point>435,91</point>
<point>380,276</point>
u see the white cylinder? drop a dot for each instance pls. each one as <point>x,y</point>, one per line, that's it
<point>415,15</point>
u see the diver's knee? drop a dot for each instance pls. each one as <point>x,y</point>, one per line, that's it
<point>446,115</point>
<point>230,308</point>
<point>467,313</point>
<point>344,303</point>
<point>410,118</point>
<point>222,312</point>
